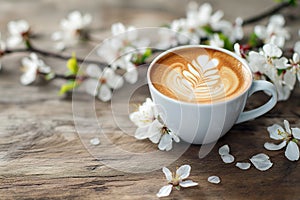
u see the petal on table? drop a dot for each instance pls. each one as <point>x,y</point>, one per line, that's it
<point>296,133</point>
<point>292,151</point>
<point>188,183</point>
<point>183,171</point>
<point>167,173</point>
<point>274,147</point>
<point>224,150</point>
<point>164,191</point>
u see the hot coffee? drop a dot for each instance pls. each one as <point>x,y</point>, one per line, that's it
<point>200,75</point>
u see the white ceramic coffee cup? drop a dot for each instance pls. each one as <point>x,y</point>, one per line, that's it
<point>205,123</point>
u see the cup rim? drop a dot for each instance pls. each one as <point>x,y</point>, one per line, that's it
<point>240,59</point>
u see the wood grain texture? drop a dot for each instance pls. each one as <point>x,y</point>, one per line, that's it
<point>43,157</point>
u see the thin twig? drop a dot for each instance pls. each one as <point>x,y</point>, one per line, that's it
<point>52,54</point>
<point>267,13</point>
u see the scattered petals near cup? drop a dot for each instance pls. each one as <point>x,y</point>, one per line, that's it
<point>224,150</point>
<point>243,165</point>
<point>214,179</point>
<point>224,153</point>
<point>95,141</point>
<point>228,158</point>
<point>261,162</point>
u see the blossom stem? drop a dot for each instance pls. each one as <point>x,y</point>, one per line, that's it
<point>52,54</point>
<point>266,14</point>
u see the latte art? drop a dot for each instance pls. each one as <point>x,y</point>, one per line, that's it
<point>205,78</point>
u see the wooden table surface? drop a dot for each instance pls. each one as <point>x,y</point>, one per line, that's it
<point>42,156</point>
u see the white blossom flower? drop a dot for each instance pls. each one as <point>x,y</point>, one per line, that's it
<point>101,83</point>
<point>177,180</point>
<point>274,28</point>
<point>267,61</point>
<point>73,28</point>
<point>214,179</point>
<point>150,125</point>
<point>297,47</point>
<point>32,67</point>
<point>289,138</point>
<point>145,115</point>
<point>17,31</point>
<point>261,162</point>
<point>122,49</point>
<point>224,153</point>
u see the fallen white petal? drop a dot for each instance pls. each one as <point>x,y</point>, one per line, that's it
<point>167,173</point>
<point>274,147</point>
<point>224,150</point>
<point>287,126</point>
<point>188,183</point>
<point>243,165</point>
<point>214,179</point>
<point>95,141</point>
<point>261,162</point>
<point>183,171</point>
<point>292,151</point>
<point>296,133</point>
<point>228,158</point>
<point>164,191</point>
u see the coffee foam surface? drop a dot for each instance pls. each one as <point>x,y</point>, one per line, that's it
<point>199,75</point>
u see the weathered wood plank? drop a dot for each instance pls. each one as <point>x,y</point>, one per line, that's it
<point>43,157</point>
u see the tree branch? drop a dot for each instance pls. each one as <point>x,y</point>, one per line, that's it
<point>267,13</point>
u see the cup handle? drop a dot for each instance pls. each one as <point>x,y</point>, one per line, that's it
<point>260,86</point>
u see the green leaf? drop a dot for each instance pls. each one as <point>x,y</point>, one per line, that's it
<point>254,40</point>
<point>50,76</point>
<point>280,71</point>
<point>291,2</point>
<point>227,43</point>
<point>207,29</point>
<point>67,87</point>
<point>141,58</point>
<point>73,65</point>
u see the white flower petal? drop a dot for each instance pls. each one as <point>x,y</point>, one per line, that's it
<point>292,151</point>
<point>94,71</point>
<point>174,136</point>
<point>165,142</point>
<point>289,78</point>
<point>183,172</point>
<point>13,41</point>
<point>167,173</point>
<point>287,126</point>
<point>243,165</point>
<point>188,183</point>
<point>95,141</point>
<point>214,179</point>
<point>296,133</point>
<point>227,158</point>
<point>115,82</point>
<point>274,147</point>
<point>141,133</point>
<point>273,131</point>
<point>296,58</point>
<point>105,93</point>
<point>261,162</point>
<point>155,138</point>
<point>272,50</point>
<point>91,87</point>
<point>224,150</point>
<point>131,76</point>
<point>164,191</point>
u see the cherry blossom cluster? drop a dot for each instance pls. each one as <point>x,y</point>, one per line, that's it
<point>264,49</point>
